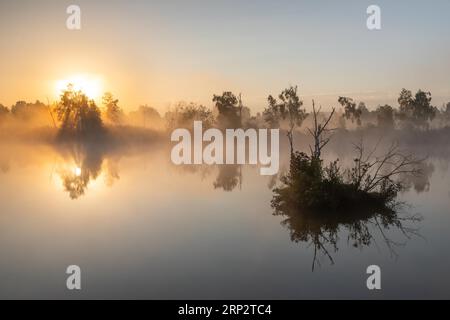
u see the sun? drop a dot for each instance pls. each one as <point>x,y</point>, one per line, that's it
<point>91,86</point>
<point>77,171</point>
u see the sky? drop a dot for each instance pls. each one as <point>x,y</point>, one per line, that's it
<point>161,52</point>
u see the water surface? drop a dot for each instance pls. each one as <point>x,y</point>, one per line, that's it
<point>140,227</point>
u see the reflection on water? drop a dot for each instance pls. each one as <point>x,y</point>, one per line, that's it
<point>83,163</point>
<point>212,222</point>
<point>229,177</point>
<point>322,229</point>
<point>421,182</point>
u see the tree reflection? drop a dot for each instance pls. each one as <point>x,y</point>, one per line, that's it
<point>83,164</point>
<point>420,182</point>
<point>321,202</point>
<point>229,177</point>
<point>322,229</point>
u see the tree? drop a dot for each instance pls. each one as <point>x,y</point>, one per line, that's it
<point>376,174</point>
<point>146,115</point>
<point>229,108</point>
<point>28,111</point>
<point>405,100</point>
<point>184,115</point>
<point>3,110</point>
<point>77,114</point>
<point>319,133</point>
<point>288,108</point>
<point>113,113</point>
<point>446,111</point>
<point>418,109</point>
<point>351,111</point>
<point>385,116</point>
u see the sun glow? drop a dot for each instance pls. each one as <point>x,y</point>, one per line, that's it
<point>77,171</point>
<point>89,85</point>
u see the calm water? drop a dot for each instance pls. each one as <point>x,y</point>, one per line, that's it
<point>140,227</point>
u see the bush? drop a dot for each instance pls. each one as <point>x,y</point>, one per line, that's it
<point>312,187</point>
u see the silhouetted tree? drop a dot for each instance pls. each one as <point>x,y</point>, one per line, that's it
<point>351,110</point>
<point>371,181</point>
<point>385,116</point>
<point>446,111</point>
<point>184,114</point>
<point>416,110</point>
<point>288,108</point>
<point>77,114</point>
<point>319,133</point>
<point>229,108</point>
<point>3,110</point>
<point>376,174</point>
<point>146,116</point>
<point>27,111</point>
<point>113,113</point>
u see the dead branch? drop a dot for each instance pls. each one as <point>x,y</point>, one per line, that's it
<point>318,133</point>
<point>371,172</point>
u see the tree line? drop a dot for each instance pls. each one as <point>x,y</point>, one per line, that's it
<point>76,113</point>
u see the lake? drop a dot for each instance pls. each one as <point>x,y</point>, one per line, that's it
<point>140,227</point>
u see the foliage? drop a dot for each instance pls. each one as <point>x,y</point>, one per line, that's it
<point>446,111</point>
<point>184,114</point>
<point>416,110</point>
<point>3,110</point>
<point>288,108</point>
<point>146,115</point>
<point>229,109</point>
<point>371,180</point>
<point>352,111</point>
<point>385,116</point>
<point>318,201</point>
<point>77,114</point>
<point>113,113</point>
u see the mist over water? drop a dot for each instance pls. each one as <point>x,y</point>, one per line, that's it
<point>141,227</point>
<point>354,99</point>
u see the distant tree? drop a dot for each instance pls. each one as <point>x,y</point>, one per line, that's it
<point>33,113</point>
<point>385,116</point>
<point>145,116</point>
<point>405,100</point>
<point>416,110</point>
<point>20,107</point>
<point>229,108</point>
<point>184,114</point>
<point>3,110</point>
<point>446,111</point>
<point>26,110</point>
<point>288,108</point>
<point>113,113</point>
<point>77,114</point>
<point>352,111</point>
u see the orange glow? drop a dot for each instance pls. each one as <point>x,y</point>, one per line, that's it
<point>92,86</point>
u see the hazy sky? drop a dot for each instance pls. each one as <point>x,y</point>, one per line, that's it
<point>159,52</point>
